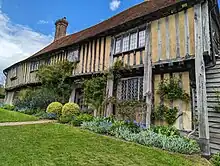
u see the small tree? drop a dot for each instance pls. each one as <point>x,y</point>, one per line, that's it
<point>55,76</point>
<point>94,92</point>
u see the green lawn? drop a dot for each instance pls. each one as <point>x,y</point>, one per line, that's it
<point>56,144</point>
<point>11,116</point>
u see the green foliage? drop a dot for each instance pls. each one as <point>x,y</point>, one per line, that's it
<point>65,119</point>
<point>163,112</point>
<point>78,120</point>
<point>161,137</point>
<point>159,112</point>
<point>215,160</point>
<point>171,115</point>
<point>8,107</point>
<point>35,99</point>
<point>55,107</point>
<point>94,92</point>
<point>171,90</point>
<point>127,108</point>
<point>165,130</point>
<point>70,109</point>
<point>54,77</point>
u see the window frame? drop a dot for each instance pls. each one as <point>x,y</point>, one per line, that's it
<point>124,97</point>
<point>14,73</point>
<point>75,58</point>
<point>34,66</point>
<point>128,33</point>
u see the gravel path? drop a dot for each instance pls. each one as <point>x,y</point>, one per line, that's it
<point>26,123</point>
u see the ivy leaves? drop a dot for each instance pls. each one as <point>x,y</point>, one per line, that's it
<point>163,112</point>
<point>171,90</point>
<point>94,91</point>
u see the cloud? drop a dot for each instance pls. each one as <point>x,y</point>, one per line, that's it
<point>17,42</point>
<point>43,22</point>
<point>114,4</point>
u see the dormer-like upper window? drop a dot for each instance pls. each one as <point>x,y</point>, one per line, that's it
<point>34,66</point>
<point>73,55</point>
<point>14,73</point>
<point>130,41</point>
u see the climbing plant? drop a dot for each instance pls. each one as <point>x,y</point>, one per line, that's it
<point>127,108</point>
<point>94,92</point>
<point>163,112</point>
<point>55,76</point>
<point>171,90</point>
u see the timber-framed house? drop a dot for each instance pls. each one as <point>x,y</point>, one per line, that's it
<point>158,39</point>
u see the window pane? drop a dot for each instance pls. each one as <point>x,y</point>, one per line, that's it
<point>142,38</point>
<point>131,89</point>
<point>133,42</point>
<point>126,43</point>
<point>118,46</point>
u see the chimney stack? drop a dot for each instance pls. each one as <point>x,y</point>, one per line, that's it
<point>61,26</point>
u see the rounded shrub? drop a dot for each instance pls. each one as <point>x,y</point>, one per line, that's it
<point>55,107</point>
<point>70,109</point>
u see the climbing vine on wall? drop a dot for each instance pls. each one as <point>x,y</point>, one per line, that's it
<point>127,108</point>
<point>170,90</point>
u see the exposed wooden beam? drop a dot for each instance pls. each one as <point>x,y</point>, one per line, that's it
<point>201,83</point>
<point>148,75</point>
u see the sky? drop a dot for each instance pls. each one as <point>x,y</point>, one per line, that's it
<point>26,26</point>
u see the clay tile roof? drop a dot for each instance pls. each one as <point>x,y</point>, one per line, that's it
<point>130,14</point>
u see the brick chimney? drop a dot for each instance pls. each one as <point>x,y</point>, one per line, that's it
<point>61,26</point>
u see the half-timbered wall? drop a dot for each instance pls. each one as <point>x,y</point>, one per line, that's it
<point>94,56</point>
<point>173,37</point>
<point>184,122</point>
<point>172,40</point>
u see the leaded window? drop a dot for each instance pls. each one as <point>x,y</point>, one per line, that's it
<point>34,66</point>
<point>130,89</point>
<point>133,41</point>
<point>118,46</point>
<point>14,72</point>
<point>125,43</point>
<point>142,38</point>
<point>73,55</point>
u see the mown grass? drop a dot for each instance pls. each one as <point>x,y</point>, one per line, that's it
<point>56,144</point>
<point>12,116</point>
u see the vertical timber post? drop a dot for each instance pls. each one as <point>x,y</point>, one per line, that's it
<point>201,83</point>
<point>148,75</point>
<point>110,79</point>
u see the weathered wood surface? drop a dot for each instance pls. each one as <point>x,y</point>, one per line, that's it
<point>213,86</point>
<point>148,75</point>
<point>201,82</point>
